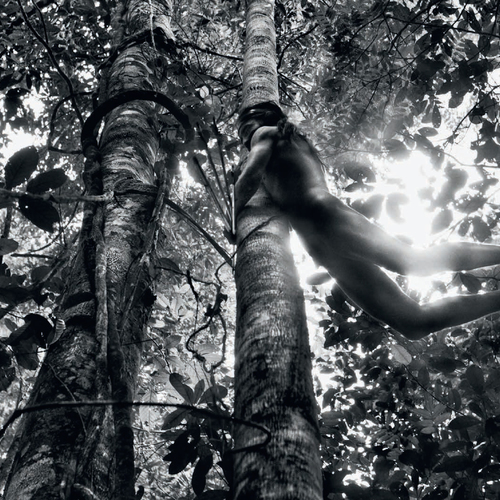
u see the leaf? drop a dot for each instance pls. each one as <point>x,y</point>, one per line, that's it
<point>470,282</point>
<point>436,116</point>
<point>20,166</point>
<point>359,172</point>
<point>475,377</point>
<point>202,468</point>
<point>172,341</point>
<point>56,332</point>
<point>396,126</point>
<point>40,272</point>
<point>401,355</point>
<point>337,300</point>
<point>39,325</point>
<point>10,325</point>
<point>174,418</point>
<point>393,205</point>
<point>423,144</point>
<point>464,227</point>
<point>412,458</point>
<point>185,391</point>
<point>472,20</point>
<point>168,264</point>
<point>463,422</point>
<point>13,295</point>
<point>208,350</point>
<point>471,204</point>
<point>480,230</point>
<point>182,452</point>
<point>427,131</point>
<point>457,399</point>
<point>442,220</point>
<point>456,179</point>
<point>7,376</point>
<point>454,464</point>
<point>52,179</point>
<point>371,207</point>
<point>40,212</point>
<point>18,335</point>
<point>475,408</point>
<point>35,329</point>
<point>423,376</point>
<point>381,494</point>
<point>213,394</point>
<point>357,186</point>
<point>427,68</point>
<point>396,149</point>
<point>318,279</point>
<point>26,354</point>
<point>199,389</point>
<point>443,364</point>
<point>490,473</point>
<point>332,418</point>
<point>8,246</point>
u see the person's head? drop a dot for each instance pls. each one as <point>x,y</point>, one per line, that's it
<point>264,114</point>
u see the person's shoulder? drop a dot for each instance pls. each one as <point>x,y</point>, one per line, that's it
<point>265,133</point>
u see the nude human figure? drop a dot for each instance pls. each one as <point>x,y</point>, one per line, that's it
<point>348,245</point>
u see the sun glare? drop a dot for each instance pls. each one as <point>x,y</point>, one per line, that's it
<point>410,178</point>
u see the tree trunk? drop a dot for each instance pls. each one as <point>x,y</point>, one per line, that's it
<point>273,382</point>
<point>76,451</point>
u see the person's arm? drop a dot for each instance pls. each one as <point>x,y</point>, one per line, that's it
<point>260,154</point>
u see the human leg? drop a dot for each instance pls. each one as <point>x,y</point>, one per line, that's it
<point>347,233</point>
<point>329,227</point>
<point>455,256</point>
<point>374,292</point>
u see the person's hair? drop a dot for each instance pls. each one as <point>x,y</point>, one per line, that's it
<point>268,114</point>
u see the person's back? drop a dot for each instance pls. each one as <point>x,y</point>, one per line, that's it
<point>294,170</point>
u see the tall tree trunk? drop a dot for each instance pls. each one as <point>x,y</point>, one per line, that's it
<point>76,451</point>
<point>273,366</point>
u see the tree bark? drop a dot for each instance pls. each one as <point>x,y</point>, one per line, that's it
<point>77,452</point>
<point>273,381</point>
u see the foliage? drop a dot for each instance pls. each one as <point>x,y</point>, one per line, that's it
<point>371,82</point>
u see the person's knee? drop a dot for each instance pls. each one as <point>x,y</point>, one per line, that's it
<point>404,260</point>
<point>414,332</point>
<point>418,262</point>
<point>414,324</point>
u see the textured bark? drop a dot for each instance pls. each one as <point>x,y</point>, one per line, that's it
<point>74,452</point>
<point>273,381</point>
<point>260,73</point>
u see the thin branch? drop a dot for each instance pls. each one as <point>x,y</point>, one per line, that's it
<point>216,175</point>
<point>208,186</point>
<point>7,193</point>
<point>30,255</point>
<point>211,52</point>
<point>210,239</point>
